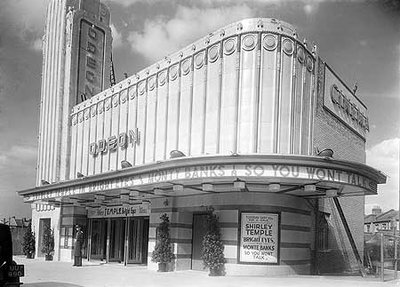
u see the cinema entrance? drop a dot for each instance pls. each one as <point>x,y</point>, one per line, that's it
<point>118,239</point>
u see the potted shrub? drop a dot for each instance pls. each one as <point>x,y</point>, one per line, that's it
<point>212,247</point>
<point>28,243</point>
<point>48,243</point>
<point>162,253</point>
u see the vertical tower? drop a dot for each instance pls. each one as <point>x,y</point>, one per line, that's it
<point>76,66</point>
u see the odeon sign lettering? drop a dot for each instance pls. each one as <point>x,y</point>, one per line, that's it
<point>341,101</point>
<point>113,142</point>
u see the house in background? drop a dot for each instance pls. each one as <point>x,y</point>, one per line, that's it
<point>378,221</point>
<point>18,228</point>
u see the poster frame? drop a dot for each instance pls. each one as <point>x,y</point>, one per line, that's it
<point>240,236</point>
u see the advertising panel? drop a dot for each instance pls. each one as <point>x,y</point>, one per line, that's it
<point>259,238</point>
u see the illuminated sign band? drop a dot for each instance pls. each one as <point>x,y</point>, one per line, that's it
<point>112,142</point>
<point>278,171</point>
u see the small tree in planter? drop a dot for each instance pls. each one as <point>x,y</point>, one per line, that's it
<point>162,253</point>
<point>213,249</point>
<point>28,244</point>
<point>48,243</point>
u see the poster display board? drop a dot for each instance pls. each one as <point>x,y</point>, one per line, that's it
<point>259,238</point>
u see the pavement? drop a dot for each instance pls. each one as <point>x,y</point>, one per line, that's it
<point>40,273</point>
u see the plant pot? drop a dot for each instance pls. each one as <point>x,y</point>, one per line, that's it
<point>30,256</point>
<point>48,257</point>
<point>162,267</point>
<point>216,271</point>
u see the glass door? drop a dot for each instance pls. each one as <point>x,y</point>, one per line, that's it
<point>138,240</point>
<point>98,239</point>
<point>117,233</point>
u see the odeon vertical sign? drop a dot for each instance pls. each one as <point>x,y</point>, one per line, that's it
<point>91,59</point>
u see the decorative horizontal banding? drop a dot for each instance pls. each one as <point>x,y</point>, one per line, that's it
<point>270,42</point>
<point>151,83</point>
<point>162,76</point>
<point>229,46</point>
<point>309,64</point>
<point>173,72</point>
<point>213,53</point>
<point>300,54</point>
<point>142,87</point>
<point>115,101</point>
<point>185,67</point>
<point>249,41</point>
<point>287,46</point>
<point>199,60</point>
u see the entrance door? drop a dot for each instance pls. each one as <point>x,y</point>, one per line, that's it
<point>199,230</point>
<point>99,236</point>
<point>137,240</point>
<point>117,233</point>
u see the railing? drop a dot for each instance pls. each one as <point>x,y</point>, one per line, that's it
<point>382,256</point>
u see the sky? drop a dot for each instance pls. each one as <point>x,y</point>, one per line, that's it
<point>359,39</point>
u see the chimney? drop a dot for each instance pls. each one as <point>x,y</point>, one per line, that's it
<point>376,210</point>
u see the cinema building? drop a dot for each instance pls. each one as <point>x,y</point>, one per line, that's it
<point>243,120</point>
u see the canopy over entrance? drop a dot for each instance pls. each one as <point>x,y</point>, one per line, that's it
<point>304,176</point>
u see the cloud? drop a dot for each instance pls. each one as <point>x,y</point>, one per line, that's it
<point>17,155</point>
<point>37,45</point>
<point>385,157</point>
<point>161,36</point>
<point>310,8</point>
<point>26,17</point>
<point>117,37</point>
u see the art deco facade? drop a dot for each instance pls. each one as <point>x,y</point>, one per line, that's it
<point>241,120</point>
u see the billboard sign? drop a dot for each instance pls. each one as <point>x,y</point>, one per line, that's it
<point>259,238</point>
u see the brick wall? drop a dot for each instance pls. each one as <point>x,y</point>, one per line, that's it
<point>330,132</point>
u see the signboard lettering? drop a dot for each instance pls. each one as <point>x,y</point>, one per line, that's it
<point>341,101</point>
<point>120,211</point>
<point>112,142</point>
<point>91,61</point>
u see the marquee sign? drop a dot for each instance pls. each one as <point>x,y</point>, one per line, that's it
<point>341,101</point>
<point>265,171</point>
<point>259,238</point>
<point>119,211</point>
